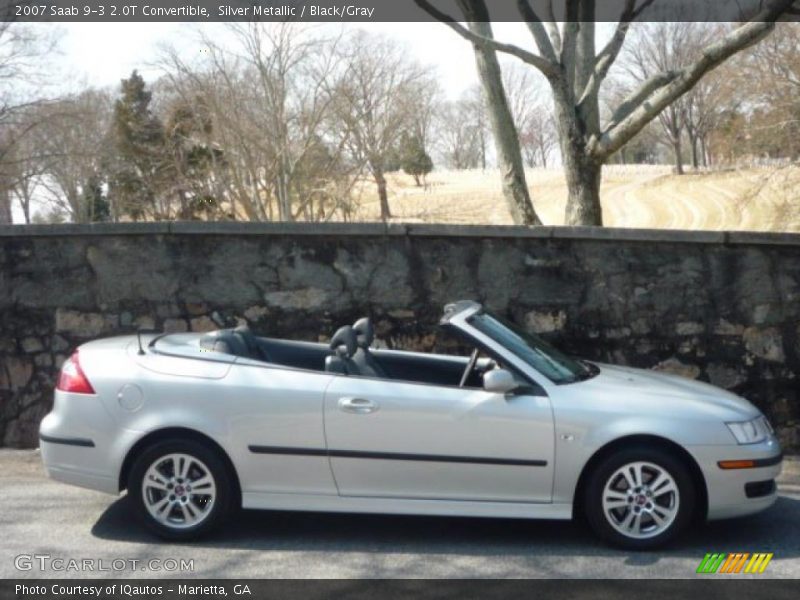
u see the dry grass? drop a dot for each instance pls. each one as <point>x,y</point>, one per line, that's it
<point>756,199</point>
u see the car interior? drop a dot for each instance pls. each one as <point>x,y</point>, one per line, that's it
<point>349,353</point>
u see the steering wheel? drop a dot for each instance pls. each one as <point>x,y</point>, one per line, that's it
<point>470,365</point>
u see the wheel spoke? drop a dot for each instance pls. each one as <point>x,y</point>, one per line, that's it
<point>637,474</point>
<point>629,519</point>
<point>159,508</point>
<point>667,488</point>
<point>629,477</point>
<point>615,495</point>
<point>204,482</point>
<point>186,462</point>
<point>156,483</point>
<point>188,515</point>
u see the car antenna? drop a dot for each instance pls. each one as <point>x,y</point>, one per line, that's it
<point>139,339</point>
<point>139,333</point>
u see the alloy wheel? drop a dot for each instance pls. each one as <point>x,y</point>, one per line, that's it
<point>179,490</point>
<point>641,500</point>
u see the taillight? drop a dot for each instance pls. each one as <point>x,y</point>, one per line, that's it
<point>72,378</point>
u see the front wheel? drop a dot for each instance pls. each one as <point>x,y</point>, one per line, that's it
<point>639,498</point>
<point>180,489</point>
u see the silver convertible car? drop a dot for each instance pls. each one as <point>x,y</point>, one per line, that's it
<point>195,425</point>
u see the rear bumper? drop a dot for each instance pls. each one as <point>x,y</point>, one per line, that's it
<point>731,490</point>
<point>76,458</point>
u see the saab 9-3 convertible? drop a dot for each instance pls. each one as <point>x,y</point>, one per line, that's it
<point>195,425</point>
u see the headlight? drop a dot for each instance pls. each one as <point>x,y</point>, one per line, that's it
<point>751,432</point>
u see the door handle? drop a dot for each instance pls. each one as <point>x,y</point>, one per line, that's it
<point>360,406</point>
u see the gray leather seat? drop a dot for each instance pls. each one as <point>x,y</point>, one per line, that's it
<point>343,345</point>
<point>238,342</point>
<point>363,358</point>
<point>225,341</point>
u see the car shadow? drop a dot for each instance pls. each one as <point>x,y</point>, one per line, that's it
<point>779,527</point>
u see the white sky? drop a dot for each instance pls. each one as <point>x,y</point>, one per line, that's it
<point>101,54</point>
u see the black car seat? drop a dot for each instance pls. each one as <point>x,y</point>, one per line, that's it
<point>365,360</point>
<point>343,345</point>
<point>254,349</point>
<point>238,342</point>
<point>225,341</point>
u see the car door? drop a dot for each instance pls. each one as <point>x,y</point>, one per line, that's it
<point>399,439</point>
<point>274,416</point>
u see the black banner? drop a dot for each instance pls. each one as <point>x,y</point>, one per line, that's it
<point>386,10</point>
<point>711,588</point>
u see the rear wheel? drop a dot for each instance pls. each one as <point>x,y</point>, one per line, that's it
<point>639,498</point>
<point>180,489</point>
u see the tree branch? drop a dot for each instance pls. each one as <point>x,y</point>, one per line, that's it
<point>535,26</point>
<point>552,26</point>
<point>611,50</point>
<point>545,66</point>
<point>569,43</point>
<point>658,92</point>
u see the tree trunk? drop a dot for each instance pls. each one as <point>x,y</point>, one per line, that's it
<point>704,151</point>
<point>676,148</point>
<point>583,191</point>
<point>583,173</point>
<point>5,206</point>
<point>693,146</point>
<point>380,179</point>
<point>509,155</point>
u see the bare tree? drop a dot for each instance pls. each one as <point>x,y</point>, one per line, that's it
<point>70,148</point>
<point>376,99</point>
<point>568,58</point>
<point>664,47</point>
<point>461,132</point>
<point>532,112</point>
<point>772,75</point>
<point>21,50</point>
<point>279,77</point>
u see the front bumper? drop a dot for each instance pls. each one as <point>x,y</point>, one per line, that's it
<point>736,492</point>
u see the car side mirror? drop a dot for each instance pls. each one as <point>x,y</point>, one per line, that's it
<point>499,381</point>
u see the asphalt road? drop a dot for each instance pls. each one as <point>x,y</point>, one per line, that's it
<point>41,517</point>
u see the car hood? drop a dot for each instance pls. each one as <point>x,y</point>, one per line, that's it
<point>658,387</point>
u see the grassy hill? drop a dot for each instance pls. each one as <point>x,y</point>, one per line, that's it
<point>756,199</point>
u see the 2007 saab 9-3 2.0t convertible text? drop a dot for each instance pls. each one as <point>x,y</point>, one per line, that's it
<point>195,425</point>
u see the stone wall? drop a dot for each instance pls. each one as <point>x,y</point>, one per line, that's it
<point>721,307</point>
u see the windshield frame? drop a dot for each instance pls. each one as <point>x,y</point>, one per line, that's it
<point>535,352</point>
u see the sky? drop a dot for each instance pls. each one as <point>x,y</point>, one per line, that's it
<point>101,54</point>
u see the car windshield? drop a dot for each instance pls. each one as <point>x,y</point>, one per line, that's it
<point>553,364</point>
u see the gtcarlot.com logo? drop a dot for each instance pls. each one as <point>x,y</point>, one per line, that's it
<point>46,562</point>
<point>734,562</point>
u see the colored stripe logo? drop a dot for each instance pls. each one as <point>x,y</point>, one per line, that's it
<point>734,562</point>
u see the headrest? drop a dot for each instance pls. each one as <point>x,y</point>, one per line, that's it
<point>343,341</point>
<point>225,341</point>
<point>364,331</point>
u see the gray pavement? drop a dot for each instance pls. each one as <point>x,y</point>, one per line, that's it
<point>42,517</point>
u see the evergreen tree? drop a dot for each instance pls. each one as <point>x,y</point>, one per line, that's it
<point>94,201</point>
<point>413,158</point>
<point>138,176</point>
<point>194,161</point>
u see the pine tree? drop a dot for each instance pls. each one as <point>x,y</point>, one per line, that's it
<point>94,201</point>
<point>138,175</point>
<point>413,158</point>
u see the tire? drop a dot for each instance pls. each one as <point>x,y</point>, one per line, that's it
<point>651,512</point>
<point>160,488</point>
